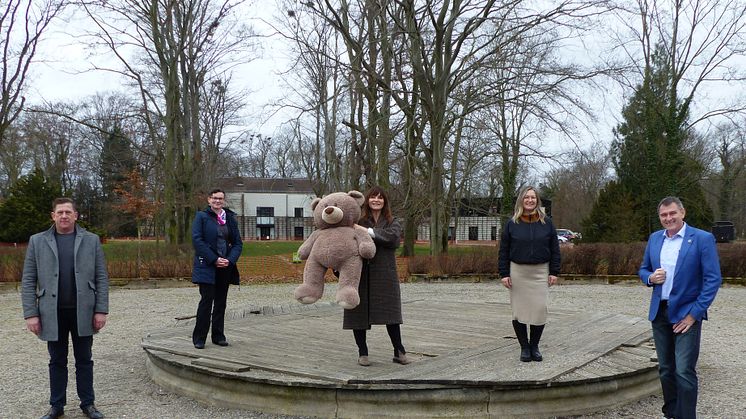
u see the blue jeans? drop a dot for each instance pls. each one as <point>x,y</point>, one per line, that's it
<point>677,362</point>
<point>67,323</point>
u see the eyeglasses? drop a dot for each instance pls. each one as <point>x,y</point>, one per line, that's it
<point>217,199</point>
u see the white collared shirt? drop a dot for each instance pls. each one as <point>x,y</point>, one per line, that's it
<point>669,256</point>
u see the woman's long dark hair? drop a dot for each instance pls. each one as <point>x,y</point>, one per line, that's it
<point>385,211</point>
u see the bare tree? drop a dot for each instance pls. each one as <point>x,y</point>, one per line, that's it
<point>447,44</point>
<point>56,145</point>
<point>174,52</point>
<point>220,108</point>
<point>575,184</point>
<point>14,158</point>
<point>701,42</point>
<point>22,24</point>
<point>319,83</point>
<point>731,154</point>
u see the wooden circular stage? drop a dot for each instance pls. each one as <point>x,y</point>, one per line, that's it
<point>297,360</point>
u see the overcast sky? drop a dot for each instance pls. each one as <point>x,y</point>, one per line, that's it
<point>63,59</point>
<point>62,71</point>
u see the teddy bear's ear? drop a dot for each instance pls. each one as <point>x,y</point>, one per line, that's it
<point>359,197</point>
<point>314,203</point>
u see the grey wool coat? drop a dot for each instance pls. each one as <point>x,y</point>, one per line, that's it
<point>40,281</point>
<point>380,295</point>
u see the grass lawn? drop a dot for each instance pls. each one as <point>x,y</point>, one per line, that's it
<point>270,247</point>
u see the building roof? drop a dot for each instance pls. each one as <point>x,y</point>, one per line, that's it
<point>266,185</point>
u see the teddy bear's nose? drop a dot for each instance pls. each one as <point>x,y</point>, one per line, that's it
<point>329,210</point>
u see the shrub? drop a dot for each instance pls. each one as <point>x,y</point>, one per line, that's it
<point>176,262</point>
<point>476,262</point>
<point>732,259</point>
<point>170,267</point>
<point>603,258</point>
<point>11,263</point>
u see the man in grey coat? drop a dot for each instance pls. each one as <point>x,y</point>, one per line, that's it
<point>65,292</point>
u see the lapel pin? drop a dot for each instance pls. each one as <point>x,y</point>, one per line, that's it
<point>690,241</point>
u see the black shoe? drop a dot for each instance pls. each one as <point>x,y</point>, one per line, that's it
<point>525,354</point>
<point>199,345</point>
<point>92,412</point>
<point>221,342</point>
<point>535,354</point>
<point>54,412</point>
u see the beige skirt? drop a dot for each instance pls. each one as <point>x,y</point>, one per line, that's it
<point>529,294</point>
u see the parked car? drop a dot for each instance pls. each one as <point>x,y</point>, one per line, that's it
<point>562,239</point>
<point>568,234</point>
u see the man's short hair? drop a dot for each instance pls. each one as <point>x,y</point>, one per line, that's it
<point>216,190</point>
<point>670,200</point>
<point>63,200</point>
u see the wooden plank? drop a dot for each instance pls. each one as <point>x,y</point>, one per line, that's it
<point>474,344</point>
<point>628,364</point>
<point>221,365</point>
<point>583,349</point>
<point>640,339</point>
<point>639,351</point>
<point>254,363</point>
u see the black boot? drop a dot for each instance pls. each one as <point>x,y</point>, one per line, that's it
<point>536,332</point>
<point>522,334</point>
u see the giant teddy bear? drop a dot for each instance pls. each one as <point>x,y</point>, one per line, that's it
<point>337,243</point>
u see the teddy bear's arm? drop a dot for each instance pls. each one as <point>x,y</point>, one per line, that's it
<point>365,246</point>
<point>305,249</point>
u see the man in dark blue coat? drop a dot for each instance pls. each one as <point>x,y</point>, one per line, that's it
<point>217,247</point>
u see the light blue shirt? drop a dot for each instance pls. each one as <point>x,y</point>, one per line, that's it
<point>669,256</point>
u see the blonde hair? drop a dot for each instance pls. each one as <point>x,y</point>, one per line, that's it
<point>518,210</point>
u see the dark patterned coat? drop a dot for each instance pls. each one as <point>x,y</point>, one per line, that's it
<point>380,295</point>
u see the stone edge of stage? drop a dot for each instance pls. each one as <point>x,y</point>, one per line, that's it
<point>571,397</point>
<point>578,392</point>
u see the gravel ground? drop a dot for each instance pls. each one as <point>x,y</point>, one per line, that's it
<point>124,389</point>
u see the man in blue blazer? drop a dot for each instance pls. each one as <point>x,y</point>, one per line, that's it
<point>681,264</point>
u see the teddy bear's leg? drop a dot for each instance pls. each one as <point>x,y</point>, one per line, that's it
<point>313,283</point>
<point>349,279</point>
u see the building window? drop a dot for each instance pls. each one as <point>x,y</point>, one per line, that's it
<point>299,213</point>
<point>298,233</point>
<point>265,211</point>
<point>265,216</point>
<point>473,233</point>
<point>493,233</point>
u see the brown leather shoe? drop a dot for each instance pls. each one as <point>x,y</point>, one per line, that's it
<point>401,359</point>
<point>363,361</point>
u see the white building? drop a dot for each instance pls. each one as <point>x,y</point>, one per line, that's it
<point>478,219</point>
<point>270,209</point>
<point>482,228</point>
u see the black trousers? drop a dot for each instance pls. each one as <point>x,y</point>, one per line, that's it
<point>67,323</point>
<point>213,301</point>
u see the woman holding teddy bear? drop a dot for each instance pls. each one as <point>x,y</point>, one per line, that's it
<point>380,296</point>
